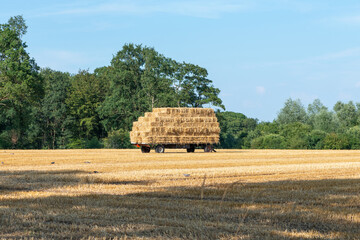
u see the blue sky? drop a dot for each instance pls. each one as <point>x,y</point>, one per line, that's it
<point>258,52</point>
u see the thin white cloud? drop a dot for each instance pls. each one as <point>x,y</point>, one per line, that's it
<point>198,8</point>
<point>260,90</point>
<point>347,53</point>
<point>350,20</point>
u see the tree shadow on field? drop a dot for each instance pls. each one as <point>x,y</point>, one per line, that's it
<point>33,180</point>
<point>317,209</point>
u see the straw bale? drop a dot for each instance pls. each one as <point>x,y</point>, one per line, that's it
<point>176,126</point>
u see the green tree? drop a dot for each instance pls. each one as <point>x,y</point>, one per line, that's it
<point>326,121</point>
<point>20,84</point>
<point>316,139</point>
<point>127,98</point>
<point>86,94</point>
<point>336,141</point>
<point>347,113</point>
<point>140,79</point>
<point>261,129</point>
<point>353,135</point>
<point>296,135</point>
<point>270,141</point>
<point>234,128</point>
<point>314,109</point>
<point>193,88</point>
<point>293,111</point>
<point>54,109</point>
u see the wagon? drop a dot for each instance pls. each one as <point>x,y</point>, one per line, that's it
<point>186,128</point>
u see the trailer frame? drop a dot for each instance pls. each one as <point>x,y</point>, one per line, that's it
<point>160,148</point>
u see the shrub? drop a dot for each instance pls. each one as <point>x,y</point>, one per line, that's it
<point>316,139</point>
<point>271,141</point>
<point>76,144</point>
<point>353,134</point>
<point>335,141</point>
<point>118,139</point>
<point>93,143</point>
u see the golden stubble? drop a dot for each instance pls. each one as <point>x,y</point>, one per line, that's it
<point>231,194</point>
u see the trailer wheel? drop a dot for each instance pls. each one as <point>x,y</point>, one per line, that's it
<point>208,148</point>
<point>160,149</point>
<point>145,149</point>
<point>190,149</point>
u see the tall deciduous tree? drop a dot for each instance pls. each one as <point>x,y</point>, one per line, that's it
<point>347,113</point>
<point>293,111</point>
<point>141,78</point>
<point>87,93</point>
<point>20,84</point>
<point>193,88</point>
<point>54,109</point>
<point>314,109</point>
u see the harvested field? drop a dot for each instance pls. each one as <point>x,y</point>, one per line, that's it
<point>231,194</point>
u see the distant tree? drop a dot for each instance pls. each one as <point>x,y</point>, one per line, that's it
<point>353,135</point>
<point>347,113</point>
<point>270,141</point>
<point>296,135</point>
<point>234,128</point>
<point>326,121</point>
<point>87,92</point>
<point>54,109</point>
<point>261,129</point>
<point>316,139</point>
<point>118,139</point>
<point>336,141</point>
<point>314,109</point>
<point>293,111</point>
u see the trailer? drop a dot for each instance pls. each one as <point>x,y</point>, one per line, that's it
<point>160,148</point>
<point>180,128</point>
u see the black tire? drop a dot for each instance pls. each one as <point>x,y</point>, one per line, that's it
<point>160,149</point>
<point>208,148</point>
<point>190,149</point>
<point>145,149</point>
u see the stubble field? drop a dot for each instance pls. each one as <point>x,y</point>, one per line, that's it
<point>231,194</point>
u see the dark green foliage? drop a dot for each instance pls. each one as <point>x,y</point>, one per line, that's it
<point>353,136</point>
<point>21,86</point>
<point>75,144</point>
<point>316,139</point>
<point>296,135</point>
<point>93,143</point>
<point>270,141</point>
<point>87,92</point>
<point>140,79</point>
<point>336,141</point>
<point>54,109</point>
<point>51,109</point>
<point>234,129</point>
<point>118,139</point>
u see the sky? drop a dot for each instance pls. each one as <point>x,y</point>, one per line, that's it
<point>259,53</point>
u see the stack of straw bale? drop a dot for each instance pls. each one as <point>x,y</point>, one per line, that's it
<point>176,126</point>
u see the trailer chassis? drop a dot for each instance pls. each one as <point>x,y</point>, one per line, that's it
<point>160,148</point>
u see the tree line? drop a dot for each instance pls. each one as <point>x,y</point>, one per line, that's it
<point>45,108</point>
<point>295,127</point>
<point>49,109</point>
